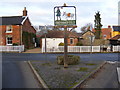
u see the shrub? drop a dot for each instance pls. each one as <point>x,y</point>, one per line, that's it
<point>72,60</point>
<point>15,44</point>
<point>61,44</point>
<point>79,44</point>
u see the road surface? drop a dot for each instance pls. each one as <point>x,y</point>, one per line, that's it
<point>17,74</point>
<point>105,78</point>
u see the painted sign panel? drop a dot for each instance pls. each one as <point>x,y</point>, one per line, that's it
<point>64,15</point>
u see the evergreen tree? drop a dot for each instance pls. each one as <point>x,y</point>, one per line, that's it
<point>97,26</point>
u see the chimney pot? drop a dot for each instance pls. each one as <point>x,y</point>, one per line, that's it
<point>109,26</point>
<point>24,12</point>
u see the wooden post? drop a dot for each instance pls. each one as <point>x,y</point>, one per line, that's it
<point>65,47</point>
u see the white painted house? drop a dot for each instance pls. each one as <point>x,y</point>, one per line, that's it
<point>54,38</point>
<point>52,42</point>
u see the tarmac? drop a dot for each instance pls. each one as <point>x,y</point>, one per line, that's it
<point>38,50</point>
<point>118,70</point>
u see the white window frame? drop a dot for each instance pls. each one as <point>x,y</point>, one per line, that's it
<point>72,40</point>
<point>9,27</point>
<point>7,40</point>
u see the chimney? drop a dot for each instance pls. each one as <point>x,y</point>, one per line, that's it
<point>24,12</point>
<point>109,26</point>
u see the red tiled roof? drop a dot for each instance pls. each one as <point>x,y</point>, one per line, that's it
<point>106,31</point>
<point>59,34</point>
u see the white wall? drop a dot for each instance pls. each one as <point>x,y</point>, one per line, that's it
<point>52,42</point>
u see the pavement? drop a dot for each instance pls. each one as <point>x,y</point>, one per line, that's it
<point>35,50</point>
<point>106,78</point>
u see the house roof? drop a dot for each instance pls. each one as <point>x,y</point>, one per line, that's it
<point>115,37</point>
<point>12,20</point>
<point>87,31</point>
<point>79,34</point>
<point>106,31</point>
<point>59,34</point>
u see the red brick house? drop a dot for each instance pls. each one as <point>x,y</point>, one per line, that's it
<point>17,30</point>
<point>106,33</point>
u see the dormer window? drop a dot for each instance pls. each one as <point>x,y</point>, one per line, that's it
<point>9,29</point>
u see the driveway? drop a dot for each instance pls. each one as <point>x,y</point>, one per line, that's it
<point>35,50</point>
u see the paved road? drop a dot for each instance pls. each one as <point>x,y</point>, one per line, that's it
<point>51,57</point>
<point>17,74</point>
<point>105,78</point>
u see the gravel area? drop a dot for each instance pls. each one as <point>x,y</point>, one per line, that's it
<point>56,76</point>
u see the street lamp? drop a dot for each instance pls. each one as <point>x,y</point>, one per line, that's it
<point>91,37</point>
<point>45,32</point>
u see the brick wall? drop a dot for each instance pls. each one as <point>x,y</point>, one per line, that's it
<point>28,37</point>
<point>27,27</point>
<point>75,41</point>
<point>16,34</point>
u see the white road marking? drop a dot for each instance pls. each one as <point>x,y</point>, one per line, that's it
<point>118,70</point>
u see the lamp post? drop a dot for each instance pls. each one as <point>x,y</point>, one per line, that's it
<point>91,41</point>
<point>45,32</point>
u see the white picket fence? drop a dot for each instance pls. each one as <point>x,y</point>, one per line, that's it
<point>116,48</point>
<point>19,48</point>
<point>81,49</point>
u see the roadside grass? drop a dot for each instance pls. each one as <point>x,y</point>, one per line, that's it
<point>82,69</point>
<point>90,64</point>
<point>46,64</point>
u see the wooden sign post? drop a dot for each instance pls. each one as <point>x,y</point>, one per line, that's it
<point>65,17</point>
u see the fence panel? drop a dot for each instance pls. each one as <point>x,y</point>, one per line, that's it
<point>81,49</point>
<point>12,48</point>
<point>116,48</point>
<point>95,48</point>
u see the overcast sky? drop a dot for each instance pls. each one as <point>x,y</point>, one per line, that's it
<point>41,12</point>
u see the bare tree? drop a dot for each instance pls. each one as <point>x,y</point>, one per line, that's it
<point>86,27</point>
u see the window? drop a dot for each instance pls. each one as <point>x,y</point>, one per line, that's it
<point>9,29</point>
<point>71,40</point>
<point>9,40</point>
<point>104,36</point>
